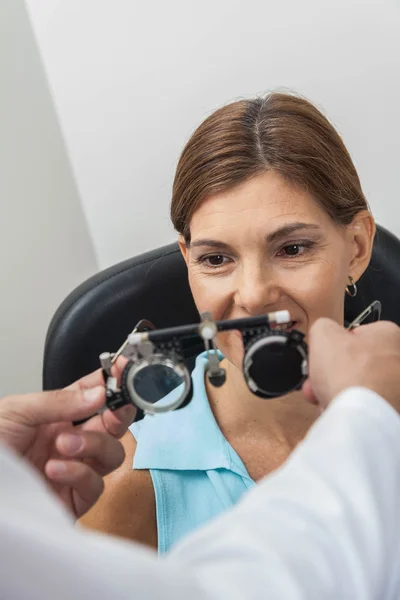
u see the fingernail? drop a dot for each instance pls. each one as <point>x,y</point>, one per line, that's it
<point>72,443</point>
<point>126,411</point>
<point>91,396</point>
<point>57,468</point>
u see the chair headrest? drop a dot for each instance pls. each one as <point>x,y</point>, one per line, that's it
<point>98,315</point>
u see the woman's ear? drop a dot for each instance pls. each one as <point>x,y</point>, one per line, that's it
<point>361,232</point>
<point>184,248</point>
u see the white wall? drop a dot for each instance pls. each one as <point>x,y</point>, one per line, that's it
<point>132,79</point>
<point>45,248</point>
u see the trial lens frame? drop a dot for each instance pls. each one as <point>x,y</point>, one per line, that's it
<point>145,340</point>
<point>147,345</point>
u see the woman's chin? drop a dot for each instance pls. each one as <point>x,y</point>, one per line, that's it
<point>231,345</point>
<point>234,356</point>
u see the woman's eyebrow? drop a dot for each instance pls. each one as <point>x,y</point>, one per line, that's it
<point>206,243</point>
<point>286,230</point>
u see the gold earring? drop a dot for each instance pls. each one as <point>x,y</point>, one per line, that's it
<point>351,289</point>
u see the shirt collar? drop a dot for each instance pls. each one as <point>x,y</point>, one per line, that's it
<point>187,438</point>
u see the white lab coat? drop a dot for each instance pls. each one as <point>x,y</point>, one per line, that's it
<point>324,526</point>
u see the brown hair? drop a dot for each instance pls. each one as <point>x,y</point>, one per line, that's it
<point>282,132</point>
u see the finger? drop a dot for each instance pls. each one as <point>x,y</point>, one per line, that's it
<point>87,486</point>
<point>120,365</point>
<point>117,422</point>
<point>105,452</point>
<point>324,339</point>
<point>308,392</point>
<point>89,381</point>
<point>325,328</point>
<point>96,378</point>
<point>384,327</point>
<point>50,407</point>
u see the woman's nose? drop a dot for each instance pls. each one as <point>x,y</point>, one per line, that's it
<point>257,291</point>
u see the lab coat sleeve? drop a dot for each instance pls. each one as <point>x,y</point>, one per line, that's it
<point>324,526</point>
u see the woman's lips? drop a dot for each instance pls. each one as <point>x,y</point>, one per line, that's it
<point>285,327</point>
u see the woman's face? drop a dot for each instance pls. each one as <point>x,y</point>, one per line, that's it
<point>265,246</point>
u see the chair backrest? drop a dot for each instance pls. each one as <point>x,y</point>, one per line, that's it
<point>97,316</point>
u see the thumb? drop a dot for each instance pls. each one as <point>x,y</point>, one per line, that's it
<point>51,407</point>
<point>323,330</point>
<point>309,393</point>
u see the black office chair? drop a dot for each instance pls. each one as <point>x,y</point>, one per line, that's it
<point>97,316</point>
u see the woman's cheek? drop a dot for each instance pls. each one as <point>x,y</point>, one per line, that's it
<point>209,294</point>
<point>231,347</point>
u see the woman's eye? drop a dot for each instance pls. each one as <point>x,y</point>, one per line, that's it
<point>292,250</point>
<point>213,260</point>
